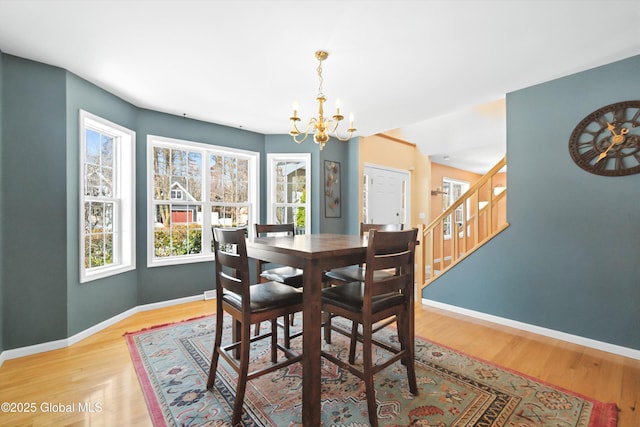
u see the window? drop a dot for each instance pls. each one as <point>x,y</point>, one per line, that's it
<point>288,190</point>
<point>107,194</point>
<point>452,191</point>
<point>192,187</point>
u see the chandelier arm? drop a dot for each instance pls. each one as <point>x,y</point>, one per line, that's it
<point>343,138</point>
<point>295,132</point>
<point>300,141</point>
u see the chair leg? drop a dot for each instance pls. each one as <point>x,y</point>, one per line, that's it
<point>327,326</point>
<point>368,374</point>
<point>274,340</point>
<point>354,342</point>
<point>408,345</point>
<point>236,332</point>
<point>245,346</point>
<point>287,332</point>
<point>216,345</point>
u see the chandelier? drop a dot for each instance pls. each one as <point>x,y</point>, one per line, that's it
<point>322,127</point>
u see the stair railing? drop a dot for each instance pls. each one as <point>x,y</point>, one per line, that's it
<point>483,215</point>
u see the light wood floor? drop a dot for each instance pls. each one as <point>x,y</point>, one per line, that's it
<point>98,370</point>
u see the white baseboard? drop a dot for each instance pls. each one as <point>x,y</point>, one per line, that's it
<point>54,345</point>
<point>563,336</point>
<point>587,342</point>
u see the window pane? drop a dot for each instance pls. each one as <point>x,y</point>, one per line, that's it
<point>107,150</point>
<point>92,180</point>
<point>161,160</point>
<point>177,230</point>
<point>186,233</point>
<point>106,188</point>
<point>162,177</point>
<point>280,215</point>
<point>229,180</point>
<point>98,234</point>
<point>99,164</point>
<point>300,220</point>
<point>162,230</point>
<point>242,194</point>
<point>229,216</point>
<point>96,254</point>
<point>108,217</point>
<point>242,179</point>
<point>215,178</point>
<point>178,163</point>
<point>194,176</point>
<point>92,146</point>
<point>179,187</point>
<point>96,217</point>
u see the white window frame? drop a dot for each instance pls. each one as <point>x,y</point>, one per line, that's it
<point>465,187</point>
<point>272,160</point>
<point>124,195</point>
<point>207,236</point>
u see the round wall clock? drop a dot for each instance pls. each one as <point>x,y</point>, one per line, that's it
<point>607,141</point>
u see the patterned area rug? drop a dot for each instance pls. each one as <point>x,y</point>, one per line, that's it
<point>172,363</point>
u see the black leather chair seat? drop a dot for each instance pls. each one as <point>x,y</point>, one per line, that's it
<point>267,296</point>
<point>350,297</point>
<point>355,273</point>
<point>288,275</point>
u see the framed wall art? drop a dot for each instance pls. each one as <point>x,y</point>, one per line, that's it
<point>332,200</point>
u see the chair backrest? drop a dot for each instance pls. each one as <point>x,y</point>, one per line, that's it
<point>388,250</point>
<point>365,228</point>
<point>264,230</point>
<point>232,263</point>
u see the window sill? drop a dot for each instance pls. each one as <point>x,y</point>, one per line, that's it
<point>161,262</point>
<point>105,272</point>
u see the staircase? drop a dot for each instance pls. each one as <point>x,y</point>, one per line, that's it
<point>471,221</point>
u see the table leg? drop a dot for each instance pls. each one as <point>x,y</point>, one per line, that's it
<point>311,360</point>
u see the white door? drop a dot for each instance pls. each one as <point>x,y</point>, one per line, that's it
<point>386,193</point>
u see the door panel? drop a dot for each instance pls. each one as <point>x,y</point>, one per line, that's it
<point>386,193</point>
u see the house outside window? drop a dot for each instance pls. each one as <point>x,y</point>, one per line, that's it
<point>288,190</point>
<point>452,189</point>
<point>107,196</point>
<point>194,187</point>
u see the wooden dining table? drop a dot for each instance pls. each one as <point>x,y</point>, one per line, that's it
<point>314,254</point>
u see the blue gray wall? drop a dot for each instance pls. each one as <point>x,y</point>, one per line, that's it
<point>570,260</point>
<point>34,272</point>
<point>41,298</point>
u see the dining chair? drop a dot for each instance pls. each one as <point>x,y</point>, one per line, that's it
<point>284,274</point>
<point>374,300</point>
<point>353,273</point>
<point>356,273</point>
<point>247,305</point>
<point>288,275</point>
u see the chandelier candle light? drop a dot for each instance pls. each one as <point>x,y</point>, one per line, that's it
<point>324,128</point>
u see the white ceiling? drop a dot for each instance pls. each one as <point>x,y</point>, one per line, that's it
<point>436,70</point>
